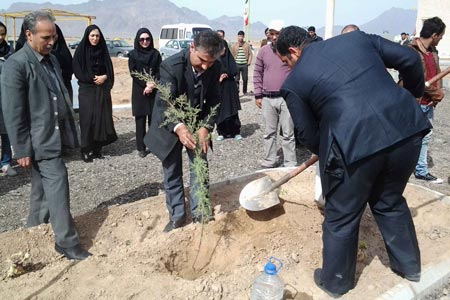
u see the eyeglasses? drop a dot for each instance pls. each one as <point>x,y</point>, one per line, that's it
<point>144,40</point>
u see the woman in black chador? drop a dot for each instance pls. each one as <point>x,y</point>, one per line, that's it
<point>228,123</point>
<point>144,58</point>
<point>94,70</point>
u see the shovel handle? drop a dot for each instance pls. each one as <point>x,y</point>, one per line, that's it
<point>437,77</point>
<point>314,158</point>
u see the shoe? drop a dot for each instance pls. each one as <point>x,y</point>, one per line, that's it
<point>319,284</point>
<point>143,153</point>
<point>75,252</point>
<point>410,277</point>
<point>429,178</point>
<point>97,155</point>
<point>220,138</point>
<point>237,137</point>
<point>268,167</point>
<point>174,225</point>
<point>9,171</point>
<point>86,157</point>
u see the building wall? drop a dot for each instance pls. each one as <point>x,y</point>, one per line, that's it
<point>432,8</point>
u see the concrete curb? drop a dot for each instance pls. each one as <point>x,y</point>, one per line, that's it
<point>247,177</point>
<point>432,278</point>
<point>444,198</point>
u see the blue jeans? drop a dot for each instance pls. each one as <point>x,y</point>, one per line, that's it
<point>422,165</point>
<point>6,151</point>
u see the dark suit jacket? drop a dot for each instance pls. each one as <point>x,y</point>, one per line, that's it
<point>177,71</point>
<point>29,110</point>
<point>346,106</point>
<point>2,123</point>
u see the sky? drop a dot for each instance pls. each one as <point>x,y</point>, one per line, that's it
<point>293,12</point>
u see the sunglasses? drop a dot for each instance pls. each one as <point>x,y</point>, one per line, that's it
<point>144,40</point>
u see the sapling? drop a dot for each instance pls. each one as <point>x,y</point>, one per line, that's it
<point>180,110</point>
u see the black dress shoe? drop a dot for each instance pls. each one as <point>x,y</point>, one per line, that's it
<point>410,277</point>
<point>320,285</point>
<point>173,225</point>
<point>86,157</point>
<point>75,252</point>
<point>97,155</point>
<point>143,153</point>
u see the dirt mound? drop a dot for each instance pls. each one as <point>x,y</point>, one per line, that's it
<point>134,259</point>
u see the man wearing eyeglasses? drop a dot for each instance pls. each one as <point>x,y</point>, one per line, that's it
<point>196,73</point>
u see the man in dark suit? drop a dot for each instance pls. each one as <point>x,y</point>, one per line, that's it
<point>367,131</point>
<point>38,118</point>
<point>196,73</point>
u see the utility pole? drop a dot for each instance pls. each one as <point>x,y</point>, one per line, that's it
<point>329,22</point>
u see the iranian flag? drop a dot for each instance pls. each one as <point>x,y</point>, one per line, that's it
<point>246,12</point>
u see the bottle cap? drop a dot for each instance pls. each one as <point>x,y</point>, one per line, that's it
<point>270,269</point>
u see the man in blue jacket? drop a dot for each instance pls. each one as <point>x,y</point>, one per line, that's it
<point>367,131</point>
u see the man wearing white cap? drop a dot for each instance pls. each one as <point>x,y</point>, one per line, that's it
<point>268,77</point>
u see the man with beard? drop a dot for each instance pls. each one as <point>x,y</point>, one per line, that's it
<point>432,32</point>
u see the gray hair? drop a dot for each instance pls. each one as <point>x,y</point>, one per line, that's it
<point>30,20</point>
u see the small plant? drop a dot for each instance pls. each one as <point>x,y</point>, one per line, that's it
<point>19,264</point>
<point>180,110</point>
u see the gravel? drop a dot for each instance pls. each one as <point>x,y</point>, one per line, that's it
<point>123,177</point>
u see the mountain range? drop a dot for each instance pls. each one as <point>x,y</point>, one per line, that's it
<point>119,18</point>
<point>389,24</point>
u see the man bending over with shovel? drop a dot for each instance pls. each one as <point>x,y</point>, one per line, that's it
<point>367,131</point>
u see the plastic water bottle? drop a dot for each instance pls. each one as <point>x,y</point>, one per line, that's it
<point>269,286</point>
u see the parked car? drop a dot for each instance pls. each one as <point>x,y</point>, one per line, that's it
<point>119,48</point>
<point>73,45</point>
<point>174,46</point>
<point>179,32</point>
<point>11,46</point>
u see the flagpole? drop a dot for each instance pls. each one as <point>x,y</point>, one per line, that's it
<point>248,26</point>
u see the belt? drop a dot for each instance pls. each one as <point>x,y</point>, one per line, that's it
<point>272,94</point>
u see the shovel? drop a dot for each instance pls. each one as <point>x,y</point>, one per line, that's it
<point>262,193</point>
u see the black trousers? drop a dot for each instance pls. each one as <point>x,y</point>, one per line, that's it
<point>378,180</point>
<point>141,129</point>
<point>244,70</point>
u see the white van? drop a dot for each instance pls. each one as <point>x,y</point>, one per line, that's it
<point>180,31</point>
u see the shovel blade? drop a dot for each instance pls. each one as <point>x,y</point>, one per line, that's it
<point>255,196</point>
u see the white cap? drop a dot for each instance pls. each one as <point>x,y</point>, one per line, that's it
<point>276,25</point>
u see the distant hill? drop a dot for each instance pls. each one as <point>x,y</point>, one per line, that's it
<point>389,24</point>
<point>118,18</point>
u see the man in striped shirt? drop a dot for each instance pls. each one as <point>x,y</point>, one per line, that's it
<point>242,53</point>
